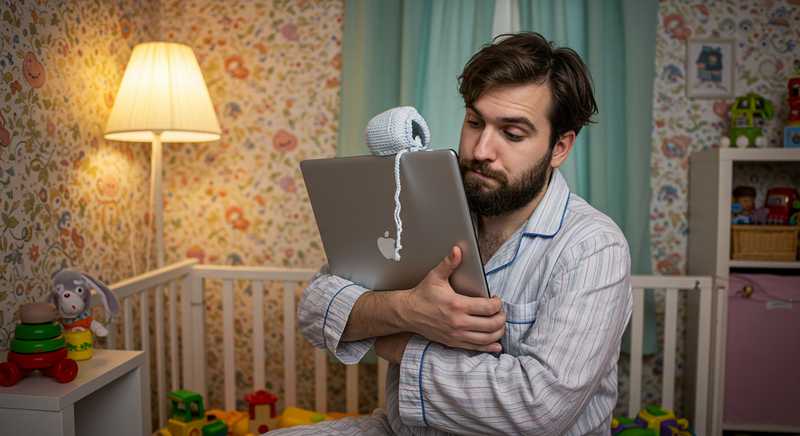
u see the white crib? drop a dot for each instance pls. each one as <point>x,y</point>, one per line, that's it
<point>187,365</point>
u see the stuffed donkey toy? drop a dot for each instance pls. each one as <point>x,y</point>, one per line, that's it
<point>72,297</point>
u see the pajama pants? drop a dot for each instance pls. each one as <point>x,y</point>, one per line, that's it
<point>376,424</point>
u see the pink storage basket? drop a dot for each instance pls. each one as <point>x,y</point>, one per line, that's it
<point>762,375</point>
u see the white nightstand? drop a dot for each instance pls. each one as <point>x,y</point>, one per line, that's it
<point>107,397</point>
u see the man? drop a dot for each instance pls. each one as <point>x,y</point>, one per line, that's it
<point>540,356</point>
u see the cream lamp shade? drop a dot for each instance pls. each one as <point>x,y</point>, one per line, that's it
<point>162,94</point>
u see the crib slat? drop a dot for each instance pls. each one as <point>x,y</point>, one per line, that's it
<point>321,380</point>
<point>173,335</point>
<point>228,342</point>
<point>670,338</point>
<point>186,330</point>
<point>259,359</point>
<point>198,337</point>
<point>637,335</point>
<point>352,388</point>
<point>701,407</point>
<point>144,323</point>
<point>111,339</point>
<point>289,373</point>
<point>128,319</point>
<point>383,368</point>
<point>161,375</point>
<point>144,332</point>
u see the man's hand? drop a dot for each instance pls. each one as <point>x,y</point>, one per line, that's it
<point>392,347</point>
<point>441,315</point>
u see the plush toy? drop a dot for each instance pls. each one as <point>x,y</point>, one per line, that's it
<point>72,297</point>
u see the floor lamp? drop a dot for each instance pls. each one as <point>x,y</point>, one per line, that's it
<point>162,98</point>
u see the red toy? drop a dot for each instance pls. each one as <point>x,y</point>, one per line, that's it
<point>780,202</point>
<point>791,132</point>
<point>38,345</point>
<point>794,101</point>
<point>262,411</point>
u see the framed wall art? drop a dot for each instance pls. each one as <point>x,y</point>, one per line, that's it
<point>710,65</point>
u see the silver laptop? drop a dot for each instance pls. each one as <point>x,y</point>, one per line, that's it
<point>353,202</point>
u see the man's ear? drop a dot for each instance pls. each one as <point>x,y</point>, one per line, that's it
<point>562,148</point>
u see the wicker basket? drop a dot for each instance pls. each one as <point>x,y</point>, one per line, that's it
<point>770,242</point>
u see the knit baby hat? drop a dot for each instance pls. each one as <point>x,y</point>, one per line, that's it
<point>397,131</point>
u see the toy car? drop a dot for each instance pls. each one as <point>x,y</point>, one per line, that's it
<point>187,417</point>
<point>749,114</point>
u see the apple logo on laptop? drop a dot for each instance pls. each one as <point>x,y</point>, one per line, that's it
<point>386,246</point>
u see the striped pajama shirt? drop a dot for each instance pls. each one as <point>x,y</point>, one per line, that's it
<point>564,279</point>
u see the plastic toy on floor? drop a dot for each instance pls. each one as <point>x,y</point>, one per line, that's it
<point>262,412</point>
<point>627,427</point>
<point>188,418</point>
<point>293,416</point>
<point>260,418</point>
<point>234,419</point>
<point>651,421</point>
<point>38,345</point>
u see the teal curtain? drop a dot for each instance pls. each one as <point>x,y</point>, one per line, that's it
<point>408,52</point>
<point>610,164</point>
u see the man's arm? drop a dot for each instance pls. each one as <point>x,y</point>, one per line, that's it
<point>322,315</point>
<point>431,309</point>
<point>344,317</point>
<point>569,349</point>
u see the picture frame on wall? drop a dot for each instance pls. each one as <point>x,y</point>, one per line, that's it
<point>710,65</point>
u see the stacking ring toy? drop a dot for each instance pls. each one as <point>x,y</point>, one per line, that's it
<point>28,347</point>
<point>37,332</point>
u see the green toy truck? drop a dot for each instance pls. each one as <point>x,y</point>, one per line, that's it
<point>749,114</point>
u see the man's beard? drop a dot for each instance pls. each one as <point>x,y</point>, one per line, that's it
<point>506,197</point>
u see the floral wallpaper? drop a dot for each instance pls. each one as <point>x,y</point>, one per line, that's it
<point>766,35</point>
<point>273,71</point>
<point>67,197</point>
<point>70,198</point>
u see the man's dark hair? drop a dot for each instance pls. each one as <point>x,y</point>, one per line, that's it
<point>527,57</point>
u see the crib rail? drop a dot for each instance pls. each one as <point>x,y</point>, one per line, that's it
<point>141,286</point>
<point>672,285</point>
<point>187,365</point>
<point>290,278</point>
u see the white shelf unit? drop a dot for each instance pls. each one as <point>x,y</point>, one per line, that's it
<point>763,265</point>
<point>110,395</point>
<point>710,188</point>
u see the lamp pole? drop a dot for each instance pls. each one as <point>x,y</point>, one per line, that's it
<point>156,200</point>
